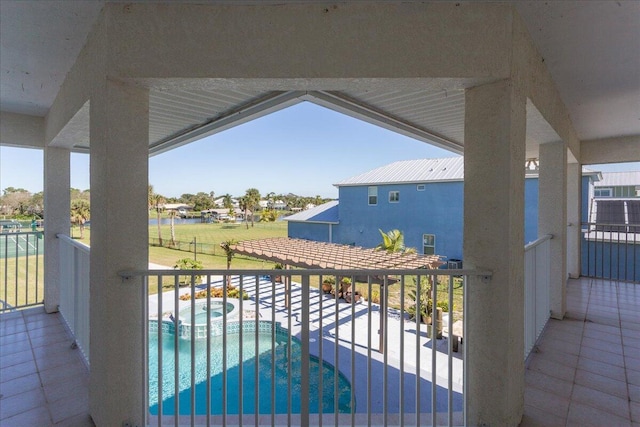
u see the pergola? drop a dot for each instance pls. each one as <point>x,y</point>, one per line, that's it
<point>309,254</point>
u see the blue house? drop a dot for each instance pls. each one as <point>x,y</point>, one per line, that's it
<point>423,198</point>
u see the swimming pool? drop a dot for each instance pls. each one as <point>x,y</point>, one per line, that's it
<point>266,357</point>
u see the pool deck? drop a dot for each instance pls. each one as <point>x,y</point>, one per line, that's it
<point>369,371</point>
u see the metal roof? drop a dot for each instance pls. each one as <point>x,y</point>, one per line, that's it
<point>326,213</point>
<point>407,171</point>
<point>615,179</point>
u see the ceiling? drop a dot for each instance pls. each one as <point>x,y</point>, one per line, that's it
<point>592,50</point>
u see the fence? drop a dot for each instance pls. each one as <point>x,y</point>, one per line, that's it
<point>267,353</point>
<point>611,251</point>
<point>21,267</point>
<point>194,248</point>
<point>536,290</point>
<point>74,290</point>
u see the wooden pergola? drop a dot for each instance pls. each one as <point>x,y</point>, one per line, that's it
<point>310,254</point>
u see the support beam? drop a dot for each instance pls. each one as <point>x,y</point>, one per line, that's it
<point>119,241</point>
<point>495,122</point>
<point>574,201</point>
<point>610,150</point>
<point>552,219</point>
<point>57,205</point>
<point>20,130</point>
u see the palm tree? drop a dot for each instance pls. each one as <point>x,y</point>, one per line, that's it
<point>172,216</point>
<point>227,247</point>
<point>393,242</point>
<point>80,213</point>
<point>244,206</point>
<point>252,196</point>
<point>227,202</point>
<point>156,201</point>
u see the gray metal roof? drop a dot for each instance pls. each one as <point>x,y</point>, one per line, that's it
<point>615,179</point>
<point>326,212</point>
<point>409,171</point>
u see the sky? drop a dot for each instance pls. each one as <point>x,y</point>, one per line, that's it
<point>303,149</point>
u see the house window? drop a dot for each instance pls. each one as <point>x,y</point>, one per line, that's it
<point>429,244</point>
<point>373,196</point>
<point>394,196</point>
<point>420,187</point>
<point>602,192</point>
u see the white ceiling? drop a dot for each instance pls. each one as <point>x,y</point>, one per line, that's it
<point>592,50</point>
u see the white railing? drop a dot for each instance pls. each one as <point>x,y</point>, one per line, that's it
<point>291,354</point>
<point>536,290</point>
<point>74,290</point>
<point>21,265</point>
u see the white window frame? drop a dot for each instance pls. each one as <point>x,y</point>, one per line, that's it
<point>421,187</point>
<point>598,192</point>
<point>372,192</point>
<point>394,196</point>
<point>425,238</point>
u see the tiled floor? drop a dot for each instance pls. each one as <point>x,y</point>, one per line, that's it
<point>43,380</point>
<point>586,370</point>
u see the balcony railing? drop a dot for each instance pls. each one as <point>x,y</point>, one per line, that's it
<point>21,266</point>
<point>74,290</point>
<point>611,251</point>
<point>536,290</point>
<point>255,350</point>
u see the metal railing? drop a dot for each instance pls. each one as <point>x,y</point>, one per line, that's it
<point>536,290</point>
<point>74,290</point>
<point>611,251</point>
<point>21,266</point>
<point>256,351</point>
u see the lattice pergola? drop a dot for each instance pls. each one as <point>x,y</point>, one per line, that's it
<point>310,254</point>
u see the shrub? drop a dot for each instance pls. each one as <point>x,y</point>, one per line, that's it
<point>232,292</point>
<point>188,264</point>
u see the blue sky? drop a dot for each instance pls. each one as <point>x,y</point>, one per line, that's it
<point>303,149</point>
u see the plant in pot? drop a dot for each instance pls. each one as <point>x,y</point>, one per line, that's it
<point>327,284</point>
<point>425,303</point>
<point>278,278</point>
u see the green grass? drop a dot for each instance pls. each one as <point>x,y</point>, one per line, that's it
<point>20,286</point>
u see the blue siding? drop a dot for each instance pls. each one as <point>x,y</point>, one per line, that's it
<point>309,231</point>
<point>437,210</point>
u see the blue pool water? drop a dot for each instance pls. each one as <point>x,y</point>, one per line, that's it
<point>265,358</point>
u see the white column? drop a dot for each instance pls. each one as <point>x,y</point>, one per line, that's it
<point>57,208</point>
<point>552,219</point>
<point>119,241</point>
<point>494,160</point>
<point>574,203</point>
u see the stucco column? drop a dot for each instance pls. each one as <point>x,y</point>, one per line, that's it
<point>119,241</point>
<point>574,200</point>
<point>552,219</point>
<point>57,208</point>
<point>494,160</point>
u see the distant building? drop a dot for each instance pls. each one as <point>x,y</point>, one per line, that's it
<point>422,198</point>
<point>616,200</point>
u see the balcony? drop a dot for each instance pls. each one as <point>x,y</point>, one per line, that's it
<point>582,369</point>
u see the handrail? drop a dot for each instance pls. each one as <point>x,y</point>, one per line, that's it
<point>485,274</point>
<point>537,242</point>
<point>79,245</point>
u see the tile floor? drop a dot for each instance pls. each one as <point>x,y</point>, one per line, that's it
<point>43,380</point>
<point>585,370</point>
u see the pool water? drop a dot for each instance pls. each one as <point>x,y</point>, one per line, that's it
<point>250,383</point>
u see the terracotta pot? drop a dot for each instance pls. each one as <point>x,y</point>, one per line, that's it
<point>327,288</point>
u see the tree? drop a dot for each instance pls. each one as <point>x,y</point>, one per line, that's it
<point>244,206</point>
<point>393,242</point>
<point>227,201</point>
<point>156,201</point>
<point>15,201</point>
<point>227,247</point>
<point>172,217</point>
<point>252,197</point>
<point>202,201</point>
<point>80,213</point>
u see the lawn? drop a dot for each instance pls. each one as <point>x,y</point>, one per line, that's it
<point>18,280</point>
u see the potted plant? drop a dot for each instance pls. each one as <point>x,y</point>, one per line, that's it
<point>327,284</point>
<point>278,278</point>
